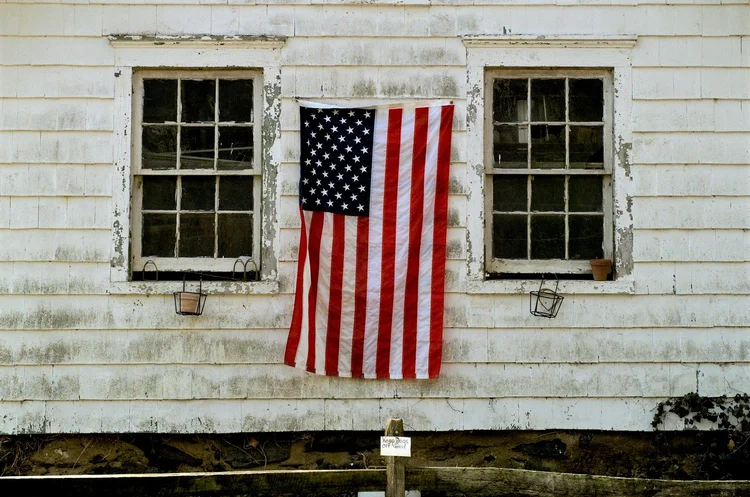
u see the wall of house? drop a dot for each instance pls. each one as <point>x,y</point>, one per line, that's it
<point>76,356</point>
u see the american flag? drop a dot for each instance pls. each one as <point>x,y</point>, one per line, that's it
<point>373,196</point>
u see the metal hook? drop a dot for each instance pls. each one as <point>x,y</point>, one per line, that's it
<point>156,270</point>
<point>244,268</point>
<point>255,269</point>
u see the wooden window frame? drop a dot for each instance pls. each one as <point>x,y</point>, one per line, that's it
<point>509,267</point>
<point>532,52</point>
<point>134,53</point>
<point>207,264</point>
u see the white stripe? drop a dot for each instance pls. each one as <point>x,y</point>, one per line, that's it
<point>300,358</point>
<point>347,296</point>
<point>324,290</point>
<point>425,258</point>
<point>375,253</point>
<point>403,210</point>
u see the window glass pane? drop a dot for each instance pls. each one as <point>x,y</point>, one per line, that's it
<point>235,193</point>
<point>198,193</point>
<point>509,236</point>
<point>198,100</point>
<point>510,146</point>
<point>509,193</point>
<point>586,237</point>
<point>159,145</point>
<point>586,147</point>
<point>159,235</point>
<point>159,192</point>
<point>197,148</point>
<point>159,100</point>
<point>235,235</point>
<point>235,148</point>
<point>586,99</point>
<point>548,100</point>
<point>236,100</point>
<point>196,235</point>
<point>547,237</point>
<point>548,146</point>
<point>548,193</point>
<point>509,100</point>
<point>585,194</point>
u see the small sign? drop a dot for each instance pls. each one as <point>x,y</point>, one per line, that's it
<point>395,446</point>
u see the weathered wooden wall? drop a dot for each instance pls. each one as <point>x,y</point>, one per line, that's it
<point>76,356</point>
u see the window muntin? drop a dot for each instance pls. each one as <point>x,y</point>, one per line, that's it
<point>548,183</point>
<point>196,173</point>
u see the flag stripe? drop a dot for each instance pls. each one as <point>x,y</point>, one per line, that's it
<point>360,296</point>
<point>301,357</point>
<point>388,266</point>
<point>438,254</point>
<point>316,232</point>
<point>322,307</point>
<point>296,328</point>
<point>401,254</point>
<point>375,246</point>
<point>348,296</point>
<point>425,268</point>
<point>416,200</point>
<point>335,293</point>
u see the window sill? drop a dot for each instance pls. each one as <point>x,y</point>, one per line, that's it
<point>212,287</point>
<point>571,287</point>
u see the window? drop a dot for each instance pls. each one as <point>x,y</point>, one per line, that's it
<point>196,171</point>
<point>548,163</point>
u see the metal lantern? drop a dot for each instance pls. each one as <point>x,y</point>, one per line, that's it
<point>545,302</point>
<point>190,303</point>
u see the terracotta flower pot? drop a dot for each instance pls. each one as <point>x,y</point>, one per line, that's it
<point>600,268</point>
<point>189,302</point>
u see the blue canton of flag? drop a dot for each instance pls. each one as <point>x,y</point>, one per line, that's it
<point>336,160</point>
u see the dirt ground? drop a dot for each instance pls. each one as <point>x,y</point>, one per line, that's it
<point>683,455</point>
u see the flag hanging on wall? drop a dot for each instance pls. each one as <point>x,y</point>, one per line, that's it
<point>373,197</point>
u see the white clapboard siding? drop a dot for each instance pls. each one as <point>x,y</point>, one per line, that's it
<point>55,51</point>
<point>496,346</point>
<point>704,278</point>
<point>60,212</point>
<point>690,83</point>
<point>53,278</point>
<point>268,381</point>
<point>710,245</point>
<point>692,212</point>
<point>64,180</point>
<point>39,114</point>
<point>80,354</point>
<point>250,416</point>
<point>687,148</point>
<point>696,51</point>
<point>312,51</point>
<point>477,311</point>
<point>55,81</point>
<point>82,245</point>
<point>667,180</point>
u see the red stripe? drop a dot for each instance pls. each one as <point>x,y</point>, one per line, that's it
<point>416,218</point>
<point>295,331</point>
<point>333,336</point>
<point>438,254</point>
<point>390,204</point>
<point>360,296</point>
<point>316,230</point>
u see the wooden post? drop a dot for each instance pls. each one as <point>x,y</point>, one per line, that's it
<point>394,466</point>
